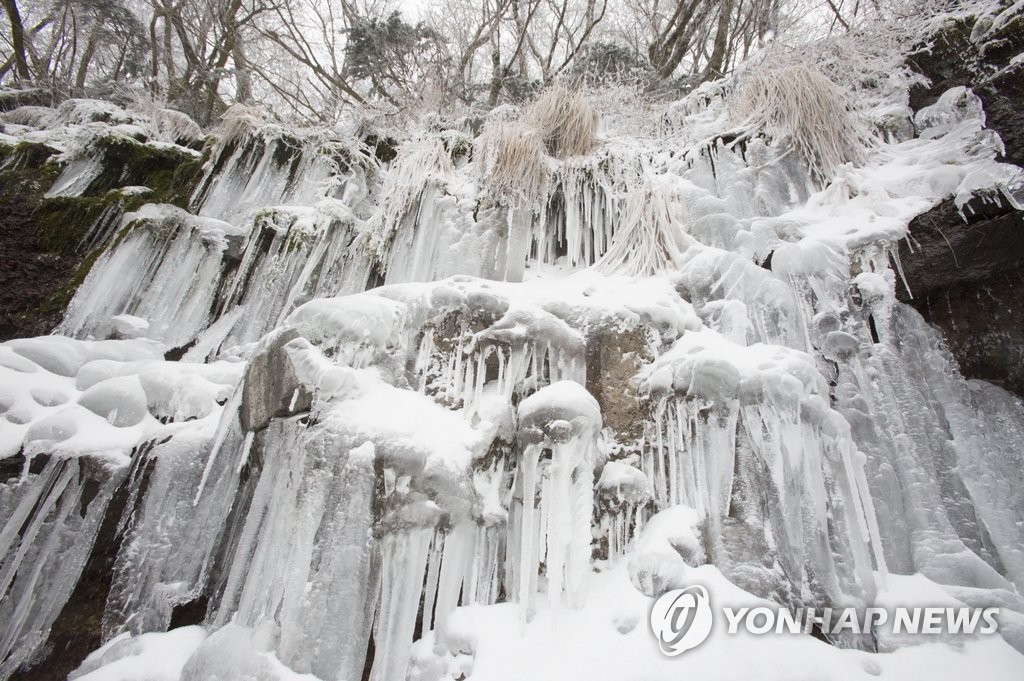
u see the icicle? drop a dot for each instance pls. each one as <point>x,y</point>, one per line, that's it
<point>43,547</point>
<point>246,446</point>
<point>165,270</point>
<point>553,526</point>
<point>228,426</point>
<point>403,559</point>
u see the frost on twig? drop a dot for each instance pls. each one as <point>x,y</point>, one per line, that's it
<point>237,122</point>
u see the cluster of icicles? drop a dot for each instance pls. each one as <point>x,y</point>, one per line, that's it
<point>394,453</point>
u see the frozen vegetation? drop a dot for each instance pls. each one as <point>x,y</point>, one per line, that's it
<point>464,414</point>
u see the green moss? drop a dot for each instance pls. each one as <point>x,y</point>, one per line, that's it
<point>63,222</point>
<point>6,152</point>
<point>57,302</point>
<point>170,172</point>
<point>26,173</point>
<point>34,155</point>
<point>27,169</point>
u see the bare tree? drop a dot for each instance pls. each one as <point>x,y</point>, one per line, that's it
<point>17,41</point>
<point>61,44</point>
<point>568,25</point>
<point>312,34</point>
<point>195,45</point>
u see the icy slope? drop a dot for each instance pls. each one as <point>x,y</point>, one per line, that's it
<point>430,422</point>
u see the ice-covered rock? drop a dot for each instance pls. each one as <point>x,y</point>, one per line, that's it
<point>165,269</point>
<point>422,411</point>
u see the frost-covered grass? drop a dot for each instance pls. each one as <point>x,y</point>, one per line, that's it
<point>565,119</point>
<point>803,108</point>
<point>515,159</point>
<point>648,239</point>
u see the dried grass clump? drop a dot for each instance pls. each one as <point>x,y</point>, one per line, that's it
<point>649,240</point>
<point>805,106</point>
<point>566,120</point>
<point>514,156</point>
<point>237,122</point>
<point>419,163</point>
<point>514,162</point>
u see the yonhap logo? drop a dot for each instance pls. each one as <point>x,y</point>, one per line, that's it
<point>681,619</point>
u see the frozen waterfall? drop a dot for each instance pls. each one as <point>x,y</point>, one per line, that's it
<point>359,418</point>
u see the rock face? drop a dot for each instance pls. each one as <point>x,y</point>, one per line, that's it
<point>966,278</point>
<point>31,268</point>
<point>51,240</point>
<point>967,275</point>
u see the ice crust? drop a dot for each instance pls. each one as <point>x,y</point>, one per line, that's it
<point>396,418</point>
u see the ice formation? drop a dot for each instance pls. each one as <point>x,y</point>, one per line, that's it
<point>426,416</point>
<point>81,417</point>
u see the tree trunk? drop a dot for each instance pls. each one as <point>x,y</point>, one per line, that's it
<point>243,80</point>
<point>154,46</point>
<point>497,73</point>
<point>669,49</point>
<point>87,55</point>
<point>717,60</point>
<point>21,71</point>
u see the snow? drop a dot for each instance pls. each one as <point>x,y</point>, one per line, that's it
<point>428,440</point>
<point>396,417</point>
<point>152,656</point>
<point>98,396</point>
<point>235,652</point>
<point>607,639</point>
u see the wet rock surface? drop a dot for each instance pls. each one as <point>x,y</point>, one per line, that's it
<point>966,271</point>
<point>31,270</point>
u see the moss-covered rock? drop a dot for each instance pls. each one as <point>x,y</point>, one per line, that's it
<point>50,243</point>
<point>170,171</point>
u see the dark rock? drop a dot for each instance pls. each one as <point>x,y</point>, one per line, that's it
<point>30,271</point>
<point>188,614</point>
<point>967,278</point>
<point>613,359</point>
<point>946,251</point>
<point>982,324</point>
<point>953,59</point>
<point>966,272</point>
<point>270,383</point>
